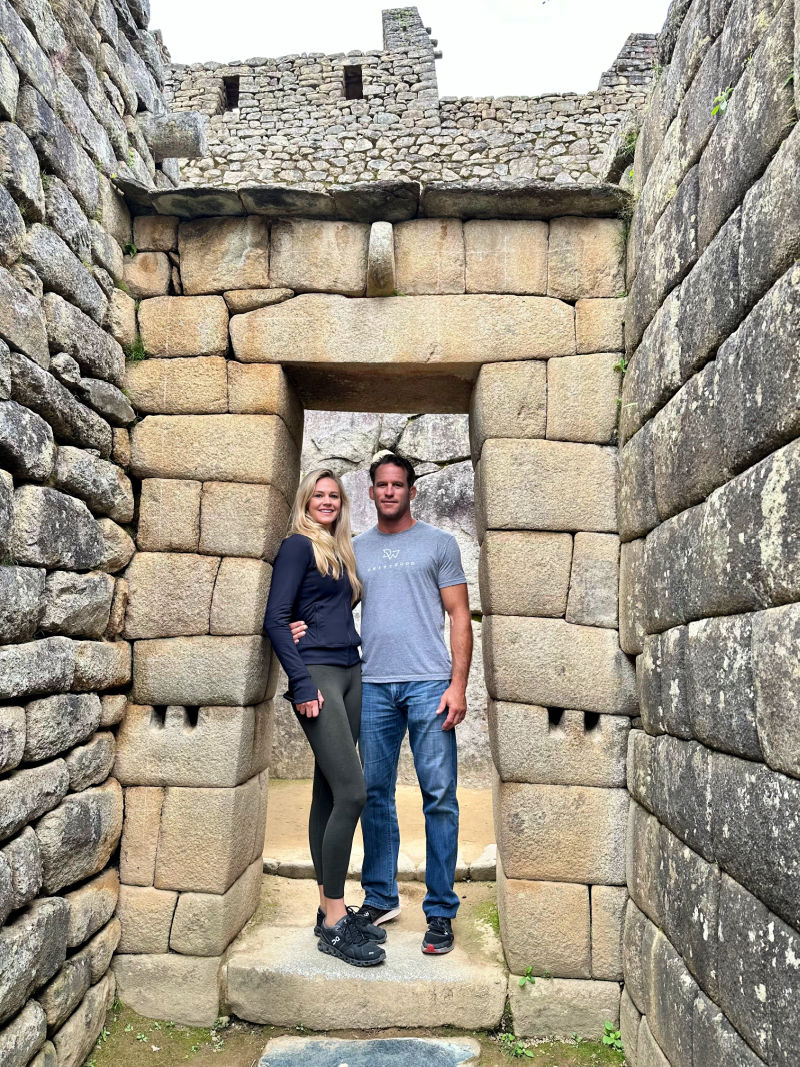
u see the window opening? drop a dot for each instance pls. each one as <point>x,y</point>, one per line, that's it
<point>230,86</point>
<point>353,83</point>
<point>555,718</point>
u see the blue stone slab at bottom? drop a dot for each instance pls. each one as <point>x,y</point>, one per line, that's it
<point>370,1052</point>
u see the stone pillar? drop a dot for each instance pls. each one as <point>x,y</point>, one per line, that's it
<point>217,454</point>
<point>561,690</point>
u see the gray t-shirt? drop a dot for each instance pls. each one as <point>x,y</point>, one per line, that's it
<point>402,615</point>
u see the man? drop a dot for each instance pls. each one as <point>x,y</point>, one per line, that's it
<point>412,574</point>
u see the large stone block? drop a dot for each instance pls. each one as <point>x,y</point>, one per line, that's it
<point>28,793</point>
<point>429,256</point>
<point>240,301</point>
<point>582,394</point>
<point>561,1007</point>
<point>586,258</point>
<point>46,666</point>
<point>232,448</point>
<point>308,256</point>
<point>219,254</point>
<point>156,233</point>
<point>217,746</point>
<point>608,912</point>
<point>569,748</point>
<point>672,995</point>
<point>636,930</point>
<point>52,529</point>
<point>101,484</point>
<point>691,907</point>
<point>224,671</point>
<point>147,274</point>
<point>648,1050</point>
<point>182,988</point>
<point>170,594</point>
<point>26,441</point>
<point>22,323</point>
<point>206,923</point>
<point>25,867</point>
<point>77,604</point>
<point>91,906</point>
<point>505,256</point>
<point>25,1034</point>
<point>654,370</point>
<point>599,324</point>
<point>557,664</point>
<point>207,837</point>
<point>469,329</point>
<point>714,1040</point>
<point>544,927</point>
<point>776,676</point>
<point>196,385</point>
<point>19,168</point>
<point>525,573</point>
<point>509,400</point>
<point>594,581</point>
<point>32,948</point>
<point>77,838</point>
<point>137,857</point>
<point>264,389</point>
<point>629,1019</point>
<point>637,510</point>
<point>645,877</point>
<point>101,665</point>
<point>546,485</point>
<point>240,596</point>
<point>169,515</point>
<point>76,1038</point>
<point>91,764</point>
<point>632,607</point>
<point>56,723</point>
<point>70,331</point>
<point>381,272</point>
<point>12,737</point>
<point>145,916</point>
<point>21,596</point>
<point>62,272</point>
<point>61,996</point>
<point>561,833</point>
<point>184,326</point>
<point>243,520</point>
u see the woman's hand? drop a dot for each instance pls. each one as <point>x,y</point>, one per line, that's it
<point>311,708</point>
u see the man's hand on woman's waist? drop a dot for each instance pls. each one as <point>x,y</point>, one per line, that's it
<point>298,629</point>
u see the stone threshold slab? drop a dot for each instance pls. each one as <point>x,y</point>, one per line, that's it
<point>371,1052</point>
<point>385,201</point>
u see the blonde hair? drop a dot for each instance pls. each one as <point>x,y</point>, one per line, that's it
<point>333,550</point>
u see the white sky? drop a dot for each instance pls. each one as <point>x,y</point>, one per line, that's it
<point>491,47</point>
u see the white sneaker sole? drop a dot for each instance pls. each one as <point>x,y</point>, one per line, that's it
<point>387,917</point>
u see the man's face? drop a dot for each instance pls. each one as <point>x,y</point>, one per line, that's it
<point>390,492</point>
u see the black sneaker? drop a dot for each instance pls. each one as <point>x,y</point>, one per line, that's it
<point>438,937</point>
<point>377,916</point>
<point>374,933</point>
<point>347,942</point>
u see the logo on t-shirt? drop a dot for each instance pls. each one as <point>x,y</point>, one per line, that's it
<point>391,553</point>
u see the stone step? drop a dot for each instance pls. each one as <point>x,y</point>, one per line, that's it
<point>296,863</point>
<point>274,971</point>
<point>370,1052</point>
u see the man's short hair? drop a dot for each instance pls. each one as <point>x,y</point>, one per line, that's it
<point>396,461</point>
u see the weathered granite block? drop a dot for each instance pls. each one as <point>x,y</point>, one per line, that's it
<point>140,835</point>
<point>156,233</point>
<point>28,793</point>
<point>195,385</point>
<point>654,371</point>
<point>91,764</point>
<point>219,254</point>
<point>184,326</point>
<point>76,1038</point>
<point>101,665</point>
<point>643,863</point>
<point>509,400</point>
<point>242,520</point>
<point>635,926</point>
<point>206,923</point>
<point>672,995</point>
<point>691,905</point>
<point>77,838</point>
<point>629,1019</point>
<point>505,256</point>
<point>21,594</point>
<point>637,511</point>
<point>26,442</point>
<point>25,866</point>
<point>225,671</point>
<point>77,604</point>
<point>118,546</point>
<point>19,169</point>
<point>12,737</point>
<point>147,274</point>
<point>32,948</point>
<point>561,1007</point>
<point>21,320</point>
<point>525,573</point>
<point>25,1034</point>
<point>62,272</point>
<point>170,594</point>
<point>776,679</point>
<point>61,996</point>
<point>714,1040</point>
<point>185,988</point>
<point>594,580</point>
<point>57,723</point>
<point>598,325</point>
<point>582,394</point>
<point>264,389</point>
<point>145,915</point>
<point>240,596</point>
<point>608,912</point>
<point>46,666</point>
<point>101,948</point>
<point>686,794</point>
<point>585,258</point>
<point>91,906</point>
<point>169,515</point>
<point>429,256</point>
<point>101,484</point>
<point>70,331</point>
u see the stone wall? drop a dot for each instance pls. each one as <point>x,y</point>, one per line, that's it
<point>79,84</point>
<point>292,122</point>
<point>710,519</point>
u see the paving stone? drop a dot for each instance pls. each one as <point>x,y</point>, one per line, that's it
<point>91,764</point>
<point>33,948</point>
<point>566,486</point>
<point>155,233</point>
<point>35,667</point>
<point>575,750</point>
<point>553,832</point>
<point>608,911</point>
<point>76,1038</point>
<point>506,257</point>
<point>242,520</point>
<point>594,580</point>
<point>206,923</point>
<point>70,331</point>
<point>219,254</point>
<point>169,515</point>
<point>21,593</point>
<point>509,400</point>
<point>557,664</point>
<point>225,671</point>
<point>12,737</point>
<point>57,723</point>
<point>585,258</point>
<point>181,988</point>
<point>21,321</point>
<point>25,1034</point>
<point>140,835</point>
<point>196,385</point>
<point>561,1007</point>
<point>184,326</point>
<point>365,1052</point>
<point>582,394</point>
<point>101,484</point>
<point>145,916</point>
<point>78,838</point>
<point>147,274</point>
<point>240,596</point>
<point>544,927</point>
<point>525,573</point>
<point>170,594</point>
<point>76,604</point>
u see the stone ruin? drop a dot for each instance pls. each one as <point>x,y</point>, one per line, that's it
<point>625,347</point>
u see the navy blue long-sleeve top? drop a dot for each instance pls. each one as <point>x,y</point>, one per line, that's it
<point>299,591</point>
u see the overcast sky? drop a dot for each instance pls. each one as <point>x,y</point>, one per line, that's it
<point>491,47</point>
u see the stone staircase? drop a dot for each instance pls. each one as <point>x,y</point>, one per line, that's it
<point>275,975</point>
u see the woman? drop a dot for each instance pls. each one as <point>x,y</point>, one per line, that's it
<point>314,578</point>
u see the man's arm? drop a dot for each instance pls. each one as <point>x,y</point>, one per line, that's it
<point>456,603</point>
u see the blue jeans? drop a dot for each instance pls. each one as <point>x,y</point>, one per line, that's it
<point>387,710</point>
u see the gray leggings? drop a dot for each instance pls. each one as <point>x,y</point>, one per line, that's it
<point>339,794</point>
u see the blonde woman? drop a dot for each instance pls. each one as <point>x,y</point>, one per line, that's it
<point>314,578</point>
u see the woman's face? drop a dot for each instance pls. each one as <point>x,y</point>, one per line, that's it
<point>325,503</point>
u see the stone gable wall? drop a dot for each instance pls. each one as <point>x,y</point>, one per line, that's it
<point>709,516</point>
<point>293,123</point>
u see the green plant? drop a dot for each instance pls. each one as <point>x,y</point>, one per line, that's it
<point>612,1037</point>
<point>130,249</point>
<point>789,80</point>
<point>141,1037</point>
<point>526,978</point>
<point>514,1047</point>
<point>621,365</point>
<point>720,102</point>
<point>629,144</point>
<point>137,352</point>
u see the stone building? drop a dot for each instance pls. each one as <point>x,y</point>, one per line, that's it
<point>625,353</point>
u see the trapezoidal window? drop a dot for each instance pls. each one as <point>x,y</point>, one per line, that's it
<point>230,87</point>
<point>353,83</point>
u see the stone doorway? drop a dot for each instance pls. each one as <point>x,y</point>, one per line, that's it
<point>218,457</point>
